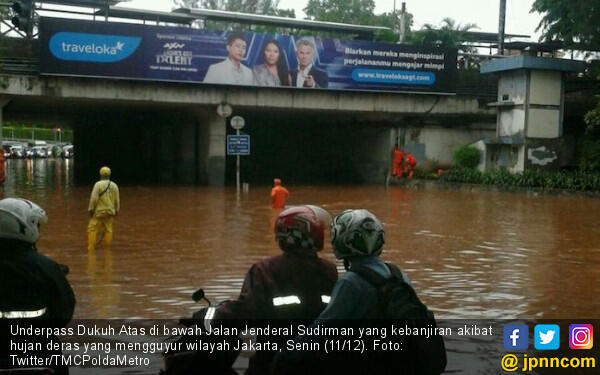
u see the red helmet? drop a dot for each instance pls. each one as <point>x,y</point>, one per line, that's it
<point>301,228</point>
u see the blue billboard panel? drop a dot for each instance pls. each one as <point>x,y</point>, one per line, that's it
<point>238,144</point>
<point>135,51</point>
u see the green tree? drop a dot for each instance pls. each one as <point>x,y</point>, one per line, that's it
<point>357,12</point>
<point>4,13</point>
<point>573,21</point>
<point>448,35</point>
<point>360,12</point>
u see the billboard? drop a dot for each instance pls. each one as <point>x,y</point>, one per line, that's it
<point>135,51</point>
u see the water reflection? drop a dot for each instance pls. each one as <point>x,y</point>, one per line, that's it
<point>104,293</point>
<point>497,255</point>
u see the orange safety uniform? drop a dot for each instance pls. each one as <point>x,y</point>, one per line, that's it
<point>397,163</point>
<point>409,164</point>
<point>278,195</point>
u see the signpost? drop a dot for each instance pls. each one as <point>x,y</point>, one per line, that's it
<point>240,145</point>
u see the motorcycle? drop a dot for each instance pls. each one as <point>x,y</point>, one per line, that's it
<point>188,362</point>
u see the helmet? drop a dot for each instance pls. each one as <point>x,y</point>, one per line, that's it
<point>276,181</point>
<point>105,172</point>
<point>357,233</point>
<point>301,228</point>
<point>20,219</point>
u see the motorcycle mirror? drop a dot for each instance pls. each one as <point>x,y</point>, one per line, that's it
<point>198,295</point>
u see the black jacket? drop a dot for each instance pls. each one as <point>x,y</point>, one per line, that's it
<point>305,276</point>
<point>30,281</point>
<point>320,77</point>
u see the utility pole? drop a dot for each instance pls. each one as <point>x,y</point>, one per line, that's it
<point>402,23</point>
<point>501,23</point>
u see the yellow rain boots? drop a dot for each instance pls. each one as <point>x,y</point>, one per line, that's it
<point>92,241</point>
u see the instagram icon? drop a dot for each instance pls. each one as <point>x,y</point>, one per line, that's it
<point>581,336</point>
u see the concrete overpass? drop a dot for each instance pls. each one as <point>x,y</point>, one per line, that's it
<point>170,132</point>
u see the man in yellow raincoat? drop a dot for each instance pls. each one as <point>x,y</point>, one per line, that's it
<point>104,206</point>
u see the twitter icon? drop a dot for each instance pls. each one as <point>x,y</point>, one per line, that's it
<point>547,336</point>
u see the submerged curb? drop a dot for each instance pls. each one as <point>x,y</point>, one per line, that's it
<point>422,184</point>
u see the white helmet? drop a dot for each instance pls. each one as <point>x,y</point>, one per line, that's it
<point>20,219</point>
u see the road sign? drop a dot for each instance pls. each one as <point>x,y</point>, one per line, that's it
<point>237,122</point>
<point>224,110</point>
<point>238,145</point>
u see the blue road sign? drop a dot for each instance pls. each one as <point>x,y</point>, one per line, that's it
<point>238,145</point>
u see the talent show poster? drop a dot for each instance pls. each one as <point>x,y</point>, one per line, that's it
<point>135,51</point>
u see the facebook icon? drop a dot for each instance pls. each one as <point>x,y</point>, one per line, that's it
<point>516,336</point>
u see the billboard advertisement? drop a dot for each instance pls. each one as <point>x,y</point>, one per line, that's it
<point>159,53</point>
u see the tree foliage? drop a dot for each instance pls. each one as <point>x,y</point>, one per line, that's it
<point>467,157</point>
<point>573,21</point>
<point>448,35</point>
<point>357,12</point>
<point>4,13</point>
<point>360,12</point>
<point>577,24</point>
<point>592,120</point>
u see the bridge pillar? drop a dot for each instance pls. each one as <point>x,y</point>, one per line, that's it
<point>185,170</point>
<point>211,158</point>
<point>165,152</point>
<point>3,101</point>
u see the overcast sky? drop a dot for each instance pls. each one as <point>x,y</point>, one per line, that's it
<point>482,12</point>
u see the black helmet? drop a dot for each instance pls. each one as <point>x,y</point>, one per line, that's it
<point>356,233</point>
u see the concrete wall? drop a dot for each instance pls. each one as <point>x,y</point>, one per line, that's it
<point>543,123</point>
<point>544,119</point>
<point>545,87</point>
<point>440,142</point>
<point>512,87</point>
<point>542,154</point>
<point>169,133</point>
<point>82,89</point>
<point>212,160</point>
<point>151,147</point>
<point>511,122</point>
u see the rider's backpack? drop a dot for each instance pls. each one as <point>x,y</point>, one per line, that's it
<point>398,304</point>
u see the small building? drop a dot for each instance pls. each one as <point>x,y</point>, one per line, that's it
<point>530,106</point>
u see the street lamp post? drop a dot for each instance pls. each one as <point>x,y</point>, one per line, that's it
<point>237,122</point>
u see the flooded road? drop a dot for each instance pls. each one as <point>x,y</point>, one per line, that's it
<point>469,254</point>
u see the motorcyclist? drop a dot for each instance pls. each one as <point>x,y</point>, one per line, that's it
<point>293,285</point>
<point>357,239</point>
<point>33,287</point>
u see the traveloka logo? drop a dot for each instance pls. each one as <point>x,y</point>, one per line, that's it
<point>92,47</point>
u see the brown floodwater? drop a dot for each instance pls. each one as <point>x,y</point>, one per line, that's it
<point>469,254</point>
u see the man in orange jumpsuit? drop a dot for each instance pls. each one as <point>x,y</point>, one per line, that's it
<point>397,161</point>
<point>409,164</point>
<point>278,194</point>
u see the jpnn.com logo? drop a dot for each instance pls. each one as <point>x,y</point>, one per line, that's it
<point>92,47</point>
